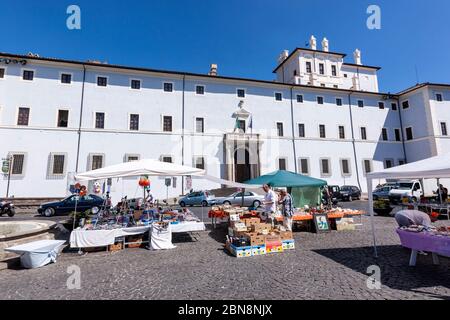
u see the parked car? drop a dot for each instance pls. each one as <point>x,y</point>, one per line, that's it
<point>382,192</point>
<point>198,198</point>
<point>251,199</point>
<point>335,192</point>
<point>411,189</point>
<point>67,205</point>
<point>350,193</point>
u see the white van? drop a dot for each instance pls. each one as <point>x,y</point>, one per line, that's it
<point>412,189</point>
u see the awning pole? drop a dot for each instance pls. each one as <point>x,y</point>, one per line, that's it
<point>369,189</point>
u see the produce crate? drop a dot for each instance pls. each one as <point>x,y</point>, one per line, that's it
<point>115,247</point>
<point>274,247</point>
<point>137,241</point>
<point>240,252</point>
<point>259,250</point>
<point>288,244</point>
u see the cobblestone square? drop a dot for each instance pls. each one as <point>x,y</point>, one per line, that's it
<point>323,266</point>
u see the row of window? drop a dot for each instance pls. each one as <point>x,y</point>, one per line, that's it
<point>102,81</point>
<point>345,165</point>
<point>321,69</point>
<point>363,132</point>
<point>167,125</point>
<point>58,162</point>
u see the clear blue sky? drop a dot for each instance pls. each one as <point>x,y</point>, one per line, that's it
<point>244,37</point>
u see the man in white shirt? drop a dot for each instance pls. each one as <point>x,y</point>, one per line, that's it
<point>270,203</point>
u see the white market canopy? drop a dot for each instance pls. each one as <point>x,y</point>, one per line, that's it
<point>150,167</point>
<point>431,168</point>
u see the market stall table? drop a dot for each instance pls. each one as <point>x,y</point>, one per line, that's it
<point>424,241</point>
<point>103,238</point>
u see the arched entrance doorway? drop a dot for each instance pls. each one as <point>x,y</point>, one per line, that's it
<point>242,167</point>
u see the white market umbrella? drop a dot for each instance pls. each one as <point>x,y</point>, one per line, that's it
<point>431,168</point>
<point>145,167</point>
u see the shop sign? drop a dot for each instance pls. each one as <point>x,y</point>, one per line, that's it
<point>5,166</point>
<point>13,61</point>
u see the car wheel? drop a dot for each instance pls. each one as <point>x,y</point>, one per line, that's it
<point>49,212</point>
<point>350,198</point>
<point>227,203</point>
<point>256,204</point>
<point>183,204</point>
<point>204,203</point>
<point>95,210</point>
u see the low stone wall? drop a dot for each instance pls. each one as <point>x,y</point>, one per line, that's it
<point>30,205</point>
<point>48,233</point>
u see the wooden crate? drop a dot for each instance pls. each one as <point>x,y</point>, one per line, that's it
<point>115,247</point>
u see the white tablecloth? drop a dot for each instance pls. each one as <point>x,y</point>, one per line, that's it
<point>102,238</point>
<point>188,226</point>
<point>38,253</point>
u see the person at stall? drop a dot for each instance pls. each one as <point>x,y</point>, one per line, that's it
<point>442,194</point>
<point>270,204</point>
<point>407,218</point>
<point>287,210</point>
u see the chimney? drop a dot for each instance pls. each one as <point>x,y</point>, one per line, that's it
<point>213,70</point>
<point>313,43</point>
<point>357,57</point>
<point>283,56</point>
<point>325,45</point>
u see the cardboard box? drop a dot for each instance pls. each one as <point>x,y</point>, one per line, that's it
<point>274,247</point>
<point>256,239</point>
<point>240,226</point>
<point>240,252</point>
<point>251,221</point>
<point>259,250</point>
<point>288,244</point>
<point>261,227</point>
<point>273,238</point>
<point>286,235</point>
<point>115,247</point>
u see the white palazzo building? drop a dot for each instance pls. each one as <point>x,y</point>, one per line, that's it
<point>323,116</point>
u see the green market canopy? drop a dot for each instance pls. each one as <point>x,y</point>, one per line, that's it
<point>304,190</point>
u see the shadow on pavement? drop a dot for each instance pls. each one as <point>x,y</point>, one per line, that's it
<point>394,264</point>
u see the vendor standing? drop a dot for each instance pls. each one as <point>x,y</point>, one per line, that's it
<point>270,204</point>
<point>407,218</point>
<point>288,212</point>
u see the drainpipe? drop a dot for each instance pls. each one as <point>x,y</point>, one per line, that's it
<point>401,128</point>
<point>353,138</point>
<point>293,131</point>
<point>182,131</point>
<point>81,118</point>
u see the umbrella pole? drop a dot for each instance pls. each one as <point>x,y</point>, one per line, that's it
<point>75,213</point>
<point>369,189</point>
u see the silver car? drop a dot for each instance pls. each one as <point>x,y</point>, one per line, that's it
<point>251,199</point>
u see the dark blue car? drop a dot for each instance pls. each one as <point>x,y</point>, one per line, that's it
<point>67,205</point>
